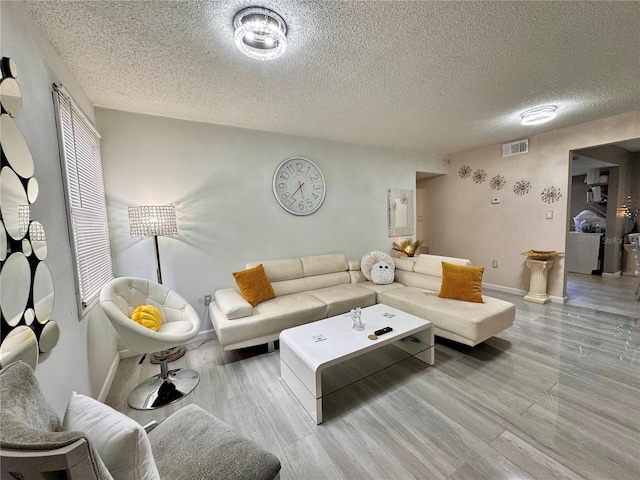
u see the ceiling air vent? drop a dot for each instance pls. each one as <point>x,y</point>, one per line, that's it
<point>515,148</point>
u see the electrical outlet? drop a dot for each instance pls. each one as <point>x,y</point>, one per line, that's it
<point>495,264</point>
<point>207,300</point>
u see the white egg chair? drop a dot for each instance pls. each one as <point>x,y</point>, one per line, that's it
<point>180,323</point>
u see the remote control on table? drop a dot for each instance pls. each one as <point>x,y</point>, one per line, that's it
<point>382,331</point>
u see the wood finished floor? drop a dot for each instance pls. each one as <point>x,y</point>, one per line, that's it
<point>556,396</point>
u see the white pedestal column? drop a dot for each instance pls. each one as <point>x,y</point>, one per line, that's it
<point>538,282</point>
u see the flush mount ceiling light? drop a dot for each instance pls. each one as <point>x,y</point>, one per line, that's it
<point>260,33</point>
<point>535,116</point>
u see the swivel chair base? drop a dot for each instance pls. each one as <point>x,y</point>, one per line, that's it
<point>156,392</point>
<point>172,354</point>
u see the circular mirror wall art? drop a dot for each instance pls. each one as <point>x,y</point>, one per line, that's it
<point>13,204</point>
<point>15,286</point>
<point>29,316</point>
<point>10,96</point>
<point>32,190</point>
<point>26,247</point>
<point>49,336</point>
<point>43,293</point>
<point>9,67</point>
<point>26,283</point>
<point>15,147</point>
<point>19,344</point>
<point>38,240</point>
<point>3,242</point>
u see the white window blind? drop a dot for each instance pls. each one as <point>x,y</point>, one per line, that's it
<point>86,204</point>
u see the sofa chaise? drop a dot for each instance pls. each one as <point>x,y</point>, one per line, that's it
<point>311,288</point>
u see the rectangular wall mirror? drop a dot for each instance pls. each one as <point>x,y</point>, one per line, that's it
<point>400,212</point>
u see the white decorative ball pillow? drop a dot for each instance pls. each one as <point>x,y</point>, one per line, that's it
<point>371,258</point>
<point>382,273</point>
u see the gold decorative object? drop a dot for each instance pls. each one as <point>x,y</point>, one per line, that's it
<point>407,248</point>
<point>542,255</point>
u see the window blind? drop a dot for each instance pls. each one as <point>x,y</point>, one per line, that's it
<point>86,204</point>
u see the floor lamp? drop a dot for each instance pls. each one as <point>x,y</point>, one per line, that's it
<point>154,221</point>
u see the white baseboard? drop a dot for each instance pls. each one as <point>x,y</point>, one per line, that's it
<point>517,291</point>
<point>561,300</point>
<point>106,386</point>
<point>500,288</point>
<point>199,338</point>
<point>611,275</point>
<point>126,353</point>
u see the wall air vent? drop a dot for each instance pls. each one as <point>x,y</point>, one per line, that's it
<point>515,148</point>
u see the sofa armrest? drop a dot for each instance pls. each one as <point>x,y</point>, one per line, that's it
<point>232,304</point>
<point>354,265</point>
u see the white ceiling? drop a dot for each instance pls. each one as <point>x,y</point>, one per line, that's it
<point>437,77</point>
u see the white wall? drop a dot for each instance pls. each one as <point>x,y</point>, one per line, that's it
<point>220,179</point>
<point>87,346</point>
<point>462,222</point>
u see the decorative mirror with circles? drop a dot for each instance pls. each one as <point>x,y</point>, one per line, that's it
<point>26,283</point>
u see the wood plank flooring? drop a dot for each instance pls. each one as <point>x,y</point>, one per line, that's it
<point>556,396</point>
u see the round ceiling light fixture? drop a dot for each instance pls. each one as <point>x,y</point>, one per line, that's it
<point>535,116</point>
<point>260,33</point>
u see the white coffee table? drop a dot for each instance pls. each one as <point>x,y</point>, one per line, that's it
<point>303,358</point>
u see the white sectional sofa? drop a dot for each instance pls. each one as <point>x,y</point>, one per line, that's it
<point>307,289</point>
<point>312,288</point>
<point>419,279</point>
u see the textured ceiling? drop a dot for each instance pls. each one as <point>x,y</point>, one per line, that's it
<point>437,77</point>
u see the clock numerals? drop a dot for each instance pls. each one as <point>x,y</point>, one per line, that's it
<point>298,185</point>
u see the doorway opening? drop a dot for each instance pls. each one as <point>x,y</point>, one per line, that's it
<point>604,194</point>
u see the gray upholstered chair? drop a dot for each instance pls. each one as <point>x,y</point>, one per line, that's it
<point>180,323</point>
<point>191,444</point>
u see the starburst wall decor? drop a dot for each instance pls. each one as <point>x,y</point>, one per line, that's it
<point>497,182</point>
<point>479,176</point>
<point>522,187</point>
<point>464,171</point>
<point>550,194</point>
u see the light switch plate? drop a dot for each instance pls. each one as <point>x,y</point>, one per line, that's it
<point>549,215</point>
<point>495,200</point>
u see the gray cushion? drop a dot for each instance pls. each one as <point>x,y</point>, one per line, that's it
<point>28,421</point>
<point>207,448</point>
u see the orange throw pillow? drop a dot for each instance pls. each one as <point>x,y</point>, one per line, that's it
<point>254,285</point>
<point>461,282</point>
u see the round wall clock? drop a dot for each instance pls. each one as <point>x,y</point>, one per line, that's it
<point>298,185</point>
